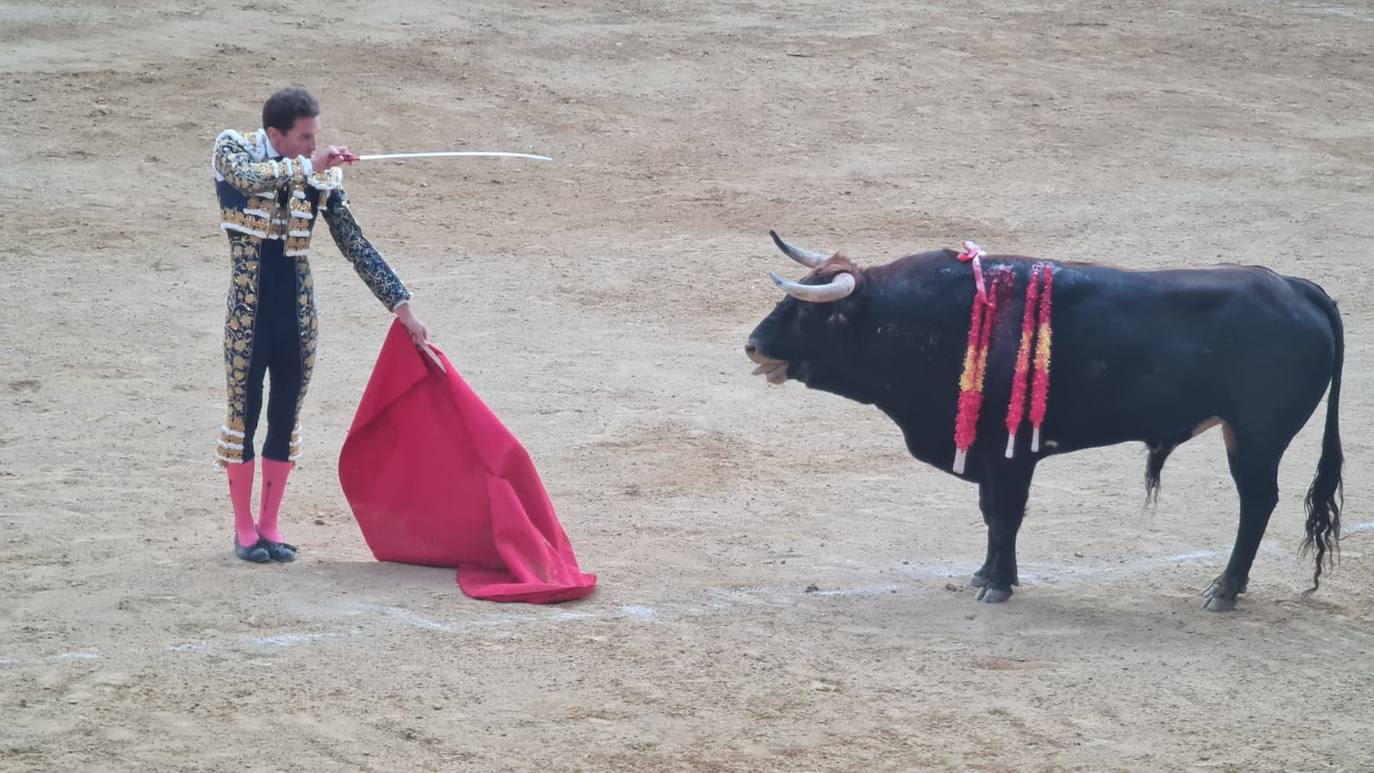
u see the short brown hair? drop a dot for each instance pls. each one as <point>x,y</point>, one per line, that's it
<point>281,110</point>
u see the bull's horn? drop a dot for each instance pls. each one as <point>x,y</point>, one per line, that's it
<point>805,257</point>
<point>839,288</point>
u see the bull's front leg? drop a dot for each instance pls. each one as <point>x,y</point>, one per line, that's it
<point>1002,497</point>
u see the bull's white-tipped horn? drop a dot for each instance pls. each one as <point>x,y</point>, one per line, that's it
<point>839,288</point>
<point>805,257</point>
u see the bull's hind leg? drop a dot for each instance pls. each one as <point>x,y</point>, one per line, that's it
<point>1002,497</point>
<point>1255,470</point>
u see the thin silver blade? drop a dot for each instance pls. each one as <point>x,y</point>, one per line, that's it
<point>453,154</point>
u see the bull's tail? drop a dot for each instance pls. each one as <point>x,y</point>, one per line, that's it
<point>1325,497</point>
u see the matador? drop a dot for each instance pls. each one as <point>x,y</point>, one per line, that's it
<point>272,186</point>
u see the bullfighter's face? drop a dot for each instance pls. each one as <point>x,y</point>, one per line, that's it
<point>300,140</point>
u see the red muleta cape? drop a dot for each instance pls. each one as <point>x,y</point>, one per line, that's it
<point>435,479</point>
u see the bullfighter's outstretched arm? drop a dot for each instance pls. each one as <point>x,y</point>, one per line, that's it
<point>365,259</point>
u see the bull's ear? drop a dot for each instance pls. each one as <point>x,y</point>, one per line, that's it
<point>850,311</point>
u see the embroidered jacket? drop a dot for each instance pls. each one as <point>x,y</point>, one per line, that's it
<point>264,198</point>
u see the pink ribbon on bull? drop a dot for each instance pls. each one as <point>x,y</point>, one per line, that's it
<point>972,252</point>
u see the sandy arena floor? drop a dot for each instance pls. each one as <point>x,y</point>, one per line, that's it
<point>600,305</point>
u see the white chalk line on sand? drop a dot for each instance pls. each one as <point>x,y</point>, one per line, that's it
<point>77,656</point>
<point>716,600</point>
<point>1342,10</point>
<point>290,639</point>
<point>416,620</point>
<point>351,611</point>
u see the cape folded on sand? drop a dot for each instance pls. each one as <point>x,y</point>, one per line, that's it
<point>435,479</point>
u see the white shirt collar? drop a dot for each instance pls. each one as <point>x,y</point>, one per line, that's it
<point>268,150</point>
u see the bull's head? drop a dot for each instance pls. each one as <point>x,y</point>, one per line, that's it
<point>810,336</point>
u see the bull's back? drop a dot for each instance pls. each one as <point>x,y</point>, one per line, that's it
<point>1145,355</point>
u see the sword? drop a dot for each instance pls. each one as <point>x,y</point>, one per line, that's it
<point>452,154</point>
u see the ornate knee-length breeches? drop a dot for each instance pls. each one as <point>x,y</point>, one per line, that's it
<point>268,209</point>
<point>270,330</point>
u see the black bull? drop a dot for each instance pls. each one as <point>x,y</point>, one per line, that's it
<point>1151,356</point>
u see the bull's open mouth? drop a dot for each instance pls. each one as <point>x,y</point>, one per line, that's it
<point>774,370</point>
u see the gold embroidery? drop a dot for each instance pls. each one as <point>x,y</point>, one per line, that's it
<point>229,445</point>
<point>297,245</point>
<point>331,179</point>
<point>276,221</point>
<point>236,220</point>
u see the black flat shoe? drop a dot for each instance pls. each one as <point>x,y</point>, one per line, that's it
<point>279,551</point>
<point>257,552</point>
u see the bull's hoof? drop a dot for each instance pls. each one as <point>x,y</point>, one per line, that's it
<point>994,595</point>
<point>983,577</point>
<point>1219,604</point>
<point>1222,595</point>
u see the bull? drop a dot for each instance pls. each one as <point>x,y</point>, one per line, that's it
<point>1139,356</point>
